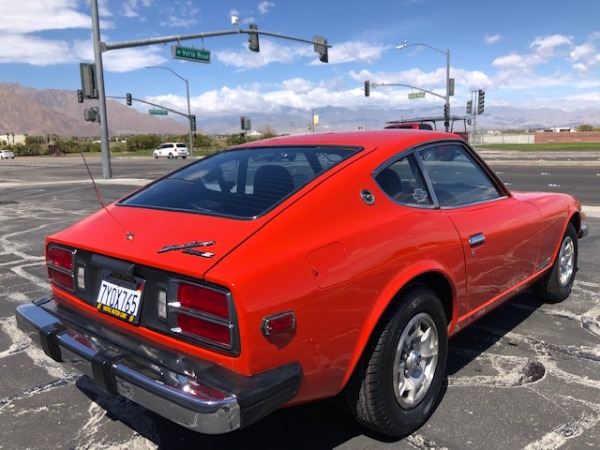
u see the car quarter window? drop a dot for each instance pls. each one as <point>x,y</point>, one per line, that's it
<point>456,177</point>
<point>402,180</point>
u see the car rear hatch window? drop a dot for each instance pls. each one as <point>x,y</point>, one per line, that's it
<point>239,183</point>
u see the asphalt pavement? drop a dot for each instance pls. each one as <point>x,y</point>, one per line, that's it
<point>527,376</point>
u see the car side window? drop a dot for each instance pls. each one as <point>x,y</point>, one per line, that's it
<point>403,182</point>
<point>456,177</point>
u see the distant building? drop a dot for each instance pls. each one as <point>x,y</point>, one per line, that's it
<point>12,138</point>
<point>559,130</point>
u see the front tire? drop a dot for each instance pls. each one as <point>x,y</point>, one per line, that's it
<point>395,386</point>
<point>557,283</point>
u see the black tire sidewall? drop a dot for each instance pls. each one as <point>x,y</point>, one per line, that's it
<point>418,299</point>
<point>550,288</point>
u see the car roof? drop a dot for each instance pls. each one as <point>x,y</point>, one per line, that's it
<point>365,139</point>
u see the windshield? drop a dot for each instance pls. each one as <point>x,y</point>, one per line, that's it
<point>241,183</point>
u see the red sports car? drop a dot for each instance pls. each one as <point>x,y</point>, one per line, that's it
<point>302,268</point>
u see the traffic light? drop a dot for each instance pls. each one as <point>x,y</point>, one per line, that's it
<point>321,48</point>
<point>481,102</point>
<point>470,107</point>
<point>243,122</point>
<point>367,88</point>
<point>128,97</point>
<point>446,110</point>
<point>79,96</point>
<point>193,122</point>
<point>253,39</point>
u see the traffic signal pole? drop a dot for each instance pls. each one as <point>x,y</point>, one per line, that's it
<point>104,147</point>
<point>320,46</point>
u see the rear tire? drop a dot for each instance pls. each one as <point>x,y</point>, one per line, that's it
<point>395,386</point>
<point>557,283</point>
<point>170,156</point>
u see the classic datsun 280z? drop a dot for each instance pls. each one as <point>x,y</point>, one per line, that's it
<point>303,268</point>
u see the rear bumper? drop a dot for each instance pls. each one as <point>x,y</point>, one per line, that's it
<point>192,392</point>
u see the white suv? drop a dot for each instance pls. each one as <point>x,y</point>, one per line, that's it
<point>6,154</point>
<point>171,150</point>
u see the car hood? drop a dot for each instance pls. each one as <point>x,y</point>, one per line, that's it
<point>188,244</point>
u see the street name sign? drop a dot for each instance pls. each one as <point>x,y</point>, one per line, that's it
<point>158,112</point>
<point>416,95</point>
<point>190,54</point>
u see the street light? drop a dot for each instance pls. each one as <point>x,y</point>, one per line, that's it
<point>187,93</point>
<point>447,53</point>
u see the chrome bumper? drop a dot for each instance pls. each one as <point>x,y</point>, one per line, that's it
<point>194,393</point>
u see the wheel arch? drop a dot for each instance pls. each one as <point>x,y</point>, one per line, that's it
<point>576,220</point>
<point>436,279</point>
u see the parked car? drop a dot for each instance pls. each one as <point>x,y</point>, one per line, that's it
<point>340,272</point>
<point>456,124</point>
<point>7,154</point>
<point>171,150</point>
<point>410,126</point>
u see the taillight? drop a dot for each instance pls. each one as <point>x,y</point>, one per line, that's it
<point>202,313</point>
<point>203,299</point>
<point>60,266</point>
<point>215,332</point>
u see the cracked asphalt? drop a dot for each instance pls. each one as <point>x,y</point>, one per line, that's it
<point>527,376</point>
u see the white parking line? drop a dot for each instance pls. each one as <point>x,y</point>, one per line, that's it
<point>591,211</point>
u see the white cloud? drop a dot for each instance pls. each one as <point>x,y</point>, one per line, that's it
<point>263,7</point>
<point>354,51</point>
<point>40,15</point>
<point>123,60</point>
<point>512,63</point>
<point>129,59</point>
<point>130,8</point>
<point>545,47</point>
<point>490,40</point>
<point>33,50</point>
<point>270,52</point>
<point>299,85</point>
<point>584,57</point>
<point>582,68</point>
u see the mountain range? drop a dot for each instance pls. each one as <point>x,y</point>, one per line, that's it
<point>25,110</point>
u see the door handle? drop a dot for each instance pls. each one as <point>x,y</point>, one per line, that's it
<point>477,240</point>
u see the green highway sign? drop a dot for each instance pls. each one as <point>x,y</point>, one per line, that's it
<point>416,95</point>
<point>158,112</point>
<point>190,54</point>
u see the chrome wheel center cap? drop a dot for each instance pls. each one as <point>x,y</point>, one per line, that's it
<point>414,360</point>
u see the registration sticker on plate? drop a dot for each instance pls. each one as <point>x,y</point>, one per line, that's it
<point>120,297</point>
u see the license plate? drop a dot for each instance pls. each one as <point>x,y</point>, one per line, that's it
<point>119,297</point>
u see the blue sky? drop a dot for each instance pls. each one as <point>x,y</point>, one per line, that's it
<point>522,53</point>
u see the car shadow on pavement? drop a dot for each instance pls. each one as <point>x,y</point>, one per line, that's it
<point>317,425</point>
<point>480,336</point>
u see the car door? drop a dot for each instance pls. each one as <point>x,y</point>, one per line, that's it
<point>500,235</point>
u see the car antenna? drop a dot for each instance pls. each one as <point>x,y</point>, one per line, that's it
<point>128,234</point>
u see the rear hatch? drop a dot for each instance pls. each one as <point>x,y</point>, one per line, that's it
<point>185,243</point>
